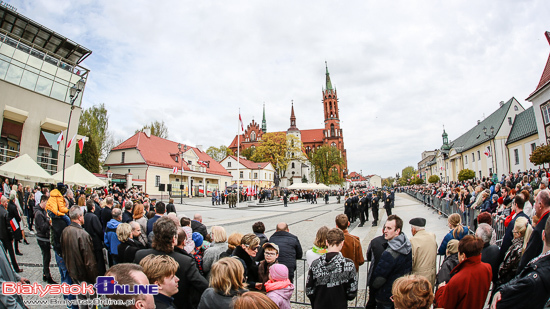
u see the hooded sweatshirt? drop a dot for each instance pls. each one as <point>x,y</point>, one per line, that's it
<point>110,239</point>
<point>395,262</point>
<point>280,292</point>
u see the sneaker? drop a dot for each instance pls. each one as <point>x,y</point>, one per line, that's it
<point>31,232</point>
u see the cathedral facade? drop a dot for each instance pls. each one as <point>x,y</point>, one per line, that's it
<point>331,135</point>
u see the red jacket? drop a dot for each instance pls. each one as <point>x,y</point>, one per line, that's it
<point>468,287</point>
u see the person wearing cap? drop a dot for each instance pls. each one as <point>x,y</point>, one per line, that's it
<point>198,252</point>
<point>424,250</point>
<point>450,262</point>
<point>279,289</point>
<point>271,254</point>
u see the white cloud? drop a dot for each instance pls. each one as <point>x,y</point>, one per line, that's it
<point>402,69</point>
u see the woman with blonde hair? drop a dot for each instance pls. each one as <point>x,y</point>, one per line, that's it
<point>412,292</point>
<point>457,232</point>
<point>233,241</point>
<point>226,282</point>
<point>319,245</point>
<point>217,247</point>
<point>522,232</point>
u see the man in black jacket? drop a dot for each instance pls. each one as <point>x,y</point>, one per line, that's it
<point>535,244</point>
<point>127,216</point>
<point>377,246</point>
<point>289,248</point>
<point>374,205</point>
<point>106,212</point>
<point>42,223</point>
<point>191,281</point>
<point>6,233</point>
<point>94,228</point>
<point>197,226</point>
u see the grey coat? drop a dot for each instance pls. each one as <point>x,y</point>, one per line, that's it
<point>212,255</point>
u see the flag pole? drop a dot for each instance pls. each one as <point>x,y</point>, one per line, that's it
<point>238,158</point>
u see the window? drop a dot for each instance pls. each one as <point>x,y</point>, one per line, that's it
<point>241,175</point>
<point>546,113</point>
<point>533,146</point>
<point>465,159</point>
<point>255,175</point>
<point>480,175</point>
<point>478,155</point>
<point>473,158</point>
<point>292,165</point>
<point>157,180</point>
<point>516,156</point>
<point>190,162</point>
<point>332,134</point>
<point>253,136</point>
<point>228,164</point>
<point>515,108</point>
<point>123,157</point>
<point>510,120</point>
<point>176,158</point>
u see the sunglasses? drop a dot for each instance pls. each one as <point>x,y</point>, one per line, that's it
<point>253,249</point>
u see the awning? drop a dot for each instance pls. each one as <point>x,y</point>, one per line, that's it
<point>53,125</point>
<point>78,175</point>
<point>26,169</point>
<point>15,114</point>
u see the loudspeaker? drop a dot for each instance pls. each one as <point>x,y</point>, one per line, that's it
<point>181,187</point>
<point>169,187</point>
<point>162,187</point>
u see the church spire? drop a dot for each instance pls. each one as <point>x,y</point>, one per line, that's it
<point>292,120</point>
<point>264,129</point>
<point>329,83</point>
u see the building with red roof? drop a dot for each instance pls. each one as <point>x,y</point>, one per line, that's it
<point>541,101</point>
<point>157,163</point>
<point>249,173</point>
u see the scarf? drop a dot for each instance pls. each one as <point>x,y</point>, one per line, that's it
<point>318,250</point>
<point>276,285</point>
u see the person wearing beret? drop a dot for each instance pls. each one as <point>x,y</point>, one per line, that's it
<point>424,250</point>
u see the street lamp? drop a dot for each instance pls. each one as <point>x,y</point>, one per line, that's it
<point>75,90</point>
<point>491,145</point>
<point>180,154</point>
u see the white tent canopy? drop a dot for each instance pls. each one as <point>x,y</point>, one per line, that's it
<point>78,175</point>
<point>24,168</point>
<point>308,186</point>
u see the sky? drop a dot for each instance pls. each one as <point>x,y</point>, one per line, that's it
<point>402,69</point>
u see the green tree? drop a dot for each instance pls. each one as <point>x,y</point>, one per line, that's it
<point>408,173</point>
<point>419,181</point>
<point>157,129</point>
<point>326,163</point>
<point>466,174</point>
<point>540,155</point>
<point>433,179</point>
<point>279,149</point>
<point>249,154</point>
<point>94,121</point>
<point>388,182</point>
<point>89,159</point>
<point>219,153</point>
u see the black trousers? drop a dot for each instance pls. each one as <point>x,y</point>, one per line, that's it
<point>388,211</point>
<point>375,214</point>
<point>9,248</point>
<point>100,262</point>
<point>371,302</point>
<point>46,257</point>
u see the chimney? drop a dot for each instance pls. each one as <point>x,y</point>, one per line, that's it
<point>199,147</point>
<point>147,132</point>
<point>479,121</point>
<point>501,103</point>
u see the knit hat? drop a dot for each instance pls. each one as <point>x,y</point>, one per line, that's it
<point>452,246</point>
<point>198,239</point>
<point>278,272</point>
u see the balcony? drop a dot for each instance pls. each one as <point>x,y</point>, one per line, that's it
<point>7,154</point>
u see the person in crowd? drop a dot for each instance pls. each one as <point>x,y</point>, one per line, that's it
<point>82,204</point>
<point>424,250</point>
<point>6,186</point>
<point>106,212</point>
<point>319,245</point>
<point>535,245</point>
<point>130,274</point>
<point>189,243</point>
<point>191,284</point>
<point>530,288</point>
<point>517,208</point>
<point>246,252</point>
<point>278,287</point>
<point>127,215</point>
<point>7,274</point>
<point>217,247</point>
<point>458,231</point>
<point>160,208</point>
<point>259,230</point>
<point>528,207</point>
<point>508,268</point>
<point>197,226</point>
<point>124,235</point>
<point>6,233</point>
<point>395,262</point>
<point>180,246</point>
<point>253,300</point>
<point>31,204</point>
<point>352,244</point>
<point>77,251</point>
<point>377,246</point>
<point>141,219</point>
<point>290,248</point>
<point>161,270</point>
<point>110,239</point>
<point>92,225</point>
<point>412,292</point>
<point>14,218</point>
<point>56,203</point>
<point>470,279</point>
<point>332,279</point>
<point>486,217</point>
<point>226,282</point>
<point>449,263</point>
<point>374,208</point>
<point>490,253</point>
<point>233,241</point>
<point>43,226</point>
<point>170,207</point>
<point>198,251</point>
<point>271,256</point>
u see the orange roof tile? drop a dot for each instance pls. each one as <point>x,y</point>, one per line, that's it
<point>312,136</point>
<point>250,164</point>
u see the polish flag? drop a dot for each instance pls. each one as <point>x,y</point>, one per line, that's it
<point>60,138</point>
<point>80,145</point>
<point>241,121</point>
<point>71,142</point>
<point>175,170</point>
<point>14,225</point>
<point>487,152</point>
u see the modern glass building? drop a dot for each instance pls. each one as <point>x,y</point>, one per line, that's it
<point>38,68</point>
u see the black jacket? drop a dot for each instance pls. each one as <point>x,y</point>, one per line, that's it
<point>290,250</point>
<point>191,281</point>
<point>95,229</point>
<point>13,213</point>
<point>490,255</point>
<point>250,267</point>
<point>106,216</point>
<point>197,226</point>
<point>534,246</point>
<point>216,300</point>
<point>170,208</point>
<point>127,250</point>
<point>444,274</point>
<point>42,223</point>
<point>127,217</point>
<point>6,233</point>
<point>377,246</point>
<point>530,289</point>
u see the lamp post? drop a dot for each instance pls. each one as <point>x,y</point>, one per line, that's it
<point>493,150</point>
<point>180,154</point>
<point>75,91</point>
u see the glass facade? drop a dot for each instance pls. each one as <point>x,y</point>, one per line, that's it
<point>48,151</point>
<point>32,69</point>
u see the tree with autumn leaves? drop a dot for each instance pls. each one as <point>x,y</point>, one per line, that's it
<point>540,155</point>
<point>327,162</point>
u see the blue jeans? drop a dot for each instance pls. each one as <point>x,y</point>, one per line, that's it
<point>64,217</point>
<point>64,274</point>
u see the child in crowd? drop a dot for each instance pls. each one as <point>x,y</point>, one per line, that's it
<point>278,288</point>
<point>161,270</point>
<point>198,253</point>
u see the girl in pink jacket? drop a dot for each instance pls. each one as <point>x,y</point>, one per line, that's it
<point>278,288</point>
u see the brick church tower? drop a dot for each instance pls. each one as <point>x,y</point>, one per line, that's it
<point>332,134</point>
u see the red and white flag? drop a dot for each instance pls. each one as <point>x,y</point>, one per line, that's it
<point>241,121</point>
<point>60,138</point>
<point>71,142</point>
<point>14,225</point>
<point>488,151</point>
<point>80,145</point>
<point>175,170</point>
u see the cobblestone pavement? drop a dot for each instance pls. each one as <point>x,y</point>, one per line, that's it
<point>304,220</point>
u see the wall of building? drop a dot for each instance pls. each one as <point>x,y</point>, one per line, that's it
<point>130,156</point>
<point>539,99</point>
<point>524,150</point>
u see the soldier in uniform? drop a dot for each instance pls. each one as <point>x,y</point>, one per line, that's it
<point>388,203</point>
<point>375,201</point>
<point>347,206</point>
<point>363,210</point>
<point>355,207</point>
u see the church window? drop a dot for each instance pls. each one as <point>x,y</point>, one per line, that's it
<point>228,164</point>
<point>253,136</point>
<point>332,130</point>
<point>292,165</point>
